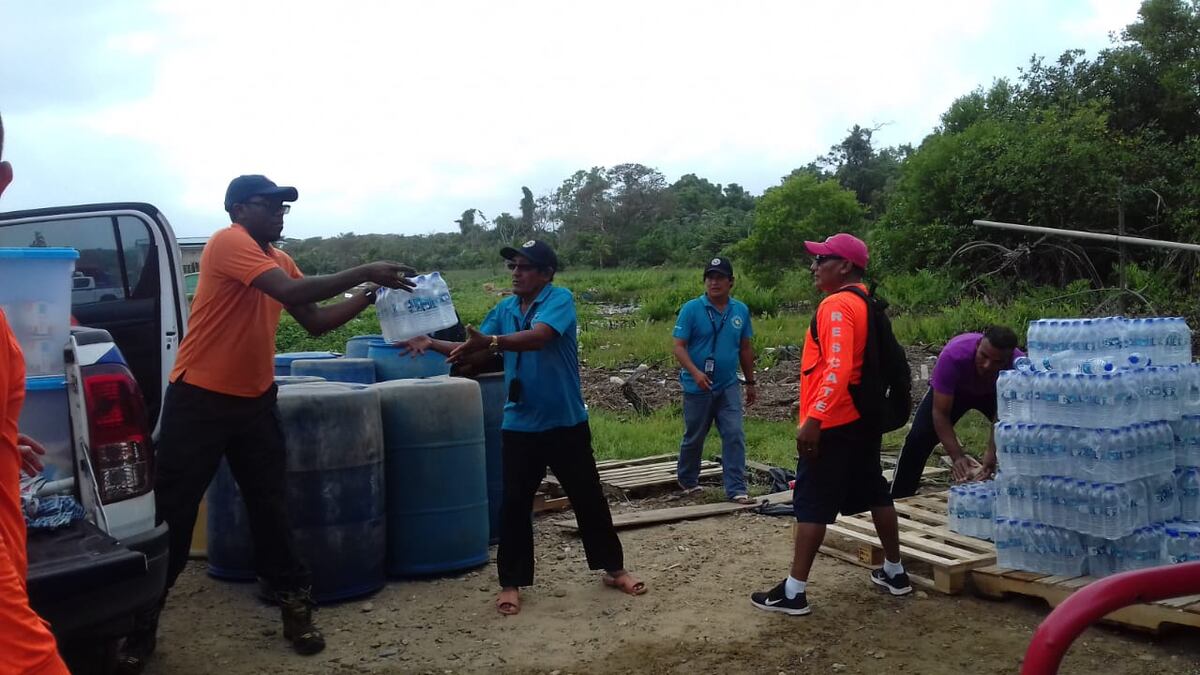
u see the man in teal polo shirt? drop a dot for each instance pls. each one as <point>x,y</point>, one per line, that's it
<point>545,421</point>
<point>712,336</point>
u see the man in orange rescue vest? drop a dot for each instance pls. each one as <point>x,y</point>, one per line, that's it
<point>838,467</point>
<point>26,644</point>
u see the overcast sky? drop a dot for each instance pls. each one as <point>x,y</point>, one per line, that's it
<point>397,116</point>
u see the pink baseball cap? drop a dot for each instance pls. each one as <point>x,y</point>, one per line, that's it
<point>842,245</point>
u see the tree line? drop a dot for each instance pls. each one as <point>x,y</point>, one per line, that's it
<point>1108,144</point>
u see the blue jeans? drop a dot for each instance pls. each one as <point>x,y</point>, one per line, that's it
<point>699,412</point>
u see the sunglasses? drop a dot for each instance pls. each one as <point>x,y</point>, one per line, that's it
<point>524,267</point>
<point>271,207</point>
<point>822,259</point>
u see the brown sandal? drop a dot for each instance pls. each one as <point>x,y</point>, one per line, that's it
<point>509,607</point>
<point>625,582</point>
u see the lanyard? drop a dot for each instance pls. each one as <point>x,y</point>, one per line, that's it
<point>528,322</point>
<point>716,329</point>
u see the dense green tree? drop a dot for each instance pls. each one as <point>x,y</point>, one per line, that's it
<point>802,208</point>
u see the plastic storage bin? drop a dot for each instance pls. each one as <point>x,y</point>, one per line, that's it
<point>44,417</point>
<point>35,295</point>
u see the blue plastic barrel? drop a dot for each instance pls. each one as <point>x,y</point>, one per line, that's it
<point>281,380</point>
<point>491,390</point>
<point>356,347</point>
<point>335,492</point>
<point>346,369</point>
<point>283,362</point>
<point>390,364</point>
<point>437,501</point>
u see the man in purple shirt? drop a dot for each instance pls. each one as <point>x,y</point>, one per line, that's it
<point>964,378</point>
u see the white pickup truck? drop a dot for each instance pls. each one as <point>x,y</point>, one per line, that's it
<point>95,580</point>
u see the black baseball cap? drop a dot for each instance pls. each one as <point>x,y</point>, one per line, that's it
<point>244,187</point>
<point>538,252</point>
<point>721,265</point>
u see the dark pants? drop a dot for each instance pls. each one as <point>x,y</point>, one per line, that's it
<point>845,476</point>
<point>198,427</point>
<point>922,438</point>
<point>568,453</point>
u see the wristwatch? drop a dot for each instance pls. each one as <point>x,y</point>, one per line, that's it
<point>369,294</point>
<point>494,346</point>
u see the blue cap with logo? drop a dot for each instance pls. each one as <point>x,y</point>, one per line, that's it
<point>537,252</point>
<point>721,265</point>
<point>244,187</point>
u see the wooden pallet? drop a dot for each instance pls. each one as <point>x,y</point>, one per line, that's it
<point>645,472</point>
<point>997,582</point>
<point>924,537</point>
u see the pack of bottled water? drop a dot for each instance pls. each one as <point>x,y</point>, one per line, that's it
<point>1098,446</point>
<point>1187,440</point>
<point>969,509</point>
<point>1093,454</point>
<point>1064,344</point>
<point>1181,542</point>
<point>425,309</point>
<point>1187,484</point>
<point>1108,510</point>
<point>1028,545</point>
<point>1111,399</point>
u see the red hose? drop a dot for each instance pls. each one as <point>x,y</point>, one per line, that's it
<point>1087,605</point>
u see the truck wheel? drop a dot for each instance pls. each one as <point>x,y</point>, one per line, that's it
<point>91,657</point>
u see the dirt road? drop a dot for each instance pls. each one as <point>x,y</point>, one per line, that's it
<point>695,619</point>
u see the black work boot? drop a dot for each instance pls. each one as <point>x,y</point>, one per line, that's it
<point>297,608</point>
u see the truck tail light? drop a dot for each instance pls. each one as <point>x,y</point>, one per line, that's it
<point>121,450</point>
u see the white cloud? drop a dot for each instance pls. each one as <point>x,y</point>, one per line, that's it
<point>397,116</point>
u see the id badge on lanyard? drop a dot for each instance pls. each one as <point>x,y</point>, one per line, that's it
<point>710,364</point>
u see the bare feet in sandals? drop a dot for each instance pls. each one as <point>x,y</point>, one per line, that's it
<point>508,602</point>
<point>624,581</point>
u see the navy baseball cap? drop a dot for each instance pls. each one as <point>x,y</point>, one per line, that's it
<point>721,265</point>
<point>538,252</point>
<point>244,187</point>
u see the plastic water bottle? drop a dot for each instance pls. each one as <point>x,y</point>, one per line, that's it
<point>1096,366</point>
<point>1174,547</point>
<point>1188,488</point>
<point>1137,360</point>
<point>1189,396</point>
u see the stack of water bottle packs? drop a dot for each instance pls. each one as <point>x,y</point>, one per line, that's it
<point>1098,445</point>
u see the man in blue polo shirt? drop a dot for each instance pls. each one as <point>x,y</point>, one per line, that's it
<point>545,421</point>
<point>712,336</point>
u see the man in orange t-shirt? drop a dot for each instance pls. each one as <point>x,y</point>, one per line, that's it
<point>26,643</point>
<point>221,397</point>
<point>838,467</point>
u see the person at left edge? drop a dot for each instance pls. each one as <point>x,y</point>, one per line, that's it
<point>221,396</point>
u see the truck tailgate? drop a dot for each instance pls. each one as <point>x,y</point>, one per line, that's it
<point>83,581</point>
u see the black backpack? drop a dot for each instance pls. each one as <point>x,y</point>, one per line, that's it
<point>883,395</point>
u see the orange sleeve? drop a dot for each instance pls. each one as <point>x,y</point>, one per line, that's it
<point>836,321</point>
<point>237,256</point>
<point>288,265</point>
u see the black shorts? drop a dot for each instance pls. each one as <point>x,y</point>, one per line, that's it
<point>845,477</point>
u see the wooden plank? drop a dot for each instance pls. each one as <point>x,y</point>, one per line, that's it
<point>544,504</point>
<point>915,579</point>
<point>998,582</point>
<point>616,463</point>
<point>872,539</point>
<point>650,470</point>
<point>917,542</point>
<point>678,513</point>
<point>626,484</point>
